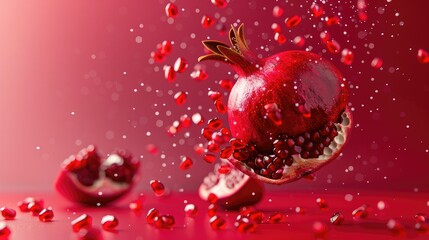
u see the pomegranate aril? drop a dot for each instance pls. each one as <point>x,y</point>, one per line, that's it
<point>210,158</point>
<point>237,143</point>
<point>199,75</point>
<point>293,21</point>
<point>224,169</point>
<point>421,217</point>
<point>226,152</point>
<point>421,226</point>
<point>377,63</point>
<point>215,123</point>
<point>84,221</point>
<point>243,225</point>
<point>180,98</point>
<point>217,223</point>
<point>166,47</point>
<point>207,133</point>
<point>171,10</point>
<point>299,41</point>
<point>220,3</point>
<point>212,209</point>
<point>213,147</point>
<point>90,234</point>
<point>320,230</point>
<point>197,119</point>
<point>423,56</point>
<point>109,222</point>
<point>276,28</point>
<point>220,106</point>
<point>35,207</point>
<point>337,218</point>
<point>278,11</point>
<point>186,163</point>
<point>212,198</point>
<point>256,216</point>
<point>276,218</point>
<point>332,20</point>
<point>360,212</point>
<point>322,203</point>
<point>8,213</point>
<point>214,95</point>
<point>316,10</point>
<point>226,84</point>
<point>191,210</point>
<point>4,230</point>
<point>395,227</point>
<point>137,204</point>
<point>347,56</point>
<point>280,38</point>
<point>180,65</point>
<point>169,73</point>
<point>157,56</point>
<point>157,187</point>
<point>207,21</point>
<point>164,221</point>
<point>46,215</point>
<point>151,215</point>
<point>274,113</point>
<point>324,36</point>
<point>241,154</point>
<point>333,46</point>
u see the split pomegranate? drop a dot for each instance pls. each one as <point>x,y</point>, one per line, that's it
<point>232,190</point>
<point>290,110</point>
<point>87,179</point>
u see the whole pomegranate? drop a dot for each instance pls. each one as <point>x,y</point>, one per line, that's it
<point>288,113</point>
<point>88,178</point>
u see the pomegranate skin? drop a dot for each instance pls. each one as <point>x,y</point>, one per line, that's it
<point>299,83</point>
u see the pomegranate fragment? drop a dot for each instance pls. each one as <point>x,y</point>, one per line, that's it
<point>191,210</point>
<point>217,223</point>
<point>84,221</point>
<point>46,215</point>
<point>164,221</point>
<point>8,213</point>
<point>4,230</point>
<point>171,10</point>
<point>109,222</point>
<point>151,215</point>
<point>157,187</point>
<point>423,56</point>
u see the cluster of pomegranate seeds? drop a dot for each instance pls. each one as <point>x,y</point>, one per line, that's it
<point>163,49</point>
<point>244,224</point>
<point>153,217</point>
<point>109,222</point>
<point>4,230</point>
<point>191,210</point>
<point>85,165</point>
<point>171,10</point>
<point>33,205</point>
<point>217,223</point>
<point>157,187</point>
<point>8,213</point>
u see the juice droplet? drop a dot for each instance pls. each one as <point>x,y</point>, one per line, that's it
<point>171,10</point>
<point>293,21</point>
<point>157,187</point>
<point>217,223</point>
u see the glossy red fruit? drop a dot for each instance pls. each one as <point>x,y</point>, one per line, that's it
<point>109,222</point>
<point>291,110</point>
<point>46,215</point>
<point>4,230</point>
<point>84,221</point>
<point>8,213</point>
<point>88,179</point>
<point>90,234</point>
<point>231,190</point>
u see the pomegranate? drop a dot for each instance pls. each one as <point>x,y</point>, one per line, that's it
<point>87,179</point>
<point>232,190</point>
<point>290,110</point>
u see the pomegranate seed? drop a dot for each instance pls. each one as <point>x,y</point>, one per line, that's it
<point>237,143</point>
<point>46,215</point>
<point>337,218</point>
<point>220,106</point>
<point>276,218</point>
<point>347,56</point>
<point>4,230</point>
<point>243,224</point>
<point>276,28</point>
<point>164,221</point>
<point>137,204</point>
<point>212,198</point>
<point>277,11</point>
<point>316,10</point>
<point>300,210</point>
<point>226,84</point>
<point>214,95</point>
<point>186,163</point>
<point>109,222</point>
<point>395,227</point>
<point>215,123</point>
<point>197,119</point>
<point>220,3</point>
<point>212,209</point>
<point>217,223</point>
<point>421,226</point>
<point>199,74</point>
<point>362,16</point>
<point>256,216</point>
<point>157,187</point>
<point>423,56</point>
<point>207,21</point>
<point>191,210</point>
<point>226,152</point>
<point>185,121</point>
<point>171,10</point>
<point>299,41</point>
<point>210,158</point>
<point>152,149</point>
<point>199,149</point>
<point>84,221</point>
<point>332,20</point>
<point>8,213</point>
<point>245,210</point>
<point>90,234</point>
<point>151,215</point>
<point>324,36</point>
<point>213,147</point>
<point>166,47</point>
<point>377,63</point>
<point>333,46</point>
<point>35,207</point>
<point>224,169</point>
<point>293,21</point>
<point>180,98</point>
<point>320,230</point>
<point>274,113</point>
<point>207,133</point>
<point>421,217</point>
<point>360,212</point>
<point>280,38</point>
<point>169,73</point>
<point>180,65</point>
<point>157,56</point>
<point>321,202</point>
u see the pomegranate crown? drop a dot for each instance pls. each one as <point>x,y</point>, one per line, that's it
<point>238,54</point>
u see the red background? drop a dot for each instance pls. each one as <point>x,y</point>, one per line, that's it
<point>63,57</point>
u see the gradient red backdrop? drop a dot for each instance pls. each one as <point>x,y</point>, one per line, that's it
<point>74,73</point>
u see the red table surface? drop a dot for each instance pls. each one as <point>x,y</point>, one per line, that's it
<point>398,205</point>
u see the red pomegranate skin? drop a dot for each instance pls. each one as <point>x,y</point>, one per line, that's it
<point>298,82</point>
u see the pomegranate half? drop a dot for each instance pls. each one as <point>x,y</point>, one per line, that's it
<point>88,179</point>
<point>288,113</point>
<point>233,188</point>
